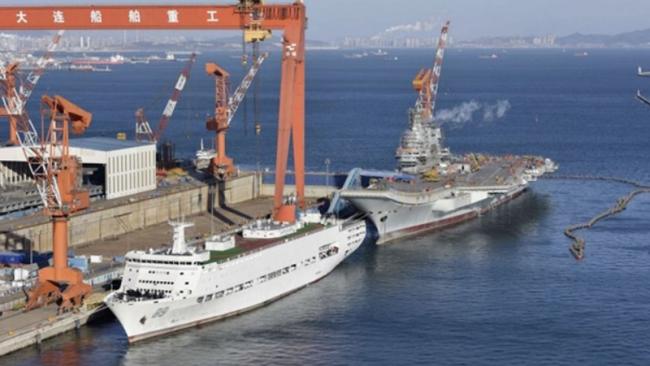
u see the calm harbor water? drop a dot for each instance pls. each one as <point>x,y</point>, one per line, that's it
<point>501,290</point>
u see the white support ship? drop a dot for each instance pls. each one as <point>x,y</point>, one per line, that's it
<point>184,286</point>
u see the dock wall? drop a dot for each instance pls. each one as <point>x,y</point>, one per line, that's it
<point>106,220</point>
<point>109,219</point>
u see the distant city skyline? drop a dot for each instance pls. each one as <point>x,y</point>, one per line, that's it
<point>331,20</point>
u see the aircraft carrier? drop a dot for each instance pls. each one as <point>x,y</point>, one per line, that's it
<point>433,188</point>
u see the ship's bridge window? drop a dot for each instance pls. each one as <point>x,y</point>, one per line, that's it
<point>199,299</point>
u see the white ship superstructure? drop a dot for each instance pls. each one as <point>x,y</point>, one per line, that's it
<point>168,290</point>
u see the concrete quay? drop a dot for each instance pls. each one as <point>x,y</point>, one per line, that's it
<point>19,330</point>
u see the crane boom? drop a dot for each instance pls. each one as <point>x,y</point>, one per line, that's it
<point>143,131</point>
<point>171,103</point>
<point>427,80</point>
<point>35,75</point>
<point>239,94</point>
<point>437,65</point>
<point>18,95</point>
<point>225,108</point>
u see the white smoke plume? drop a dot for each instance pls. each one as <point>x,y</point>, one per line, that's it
<point>465,112</point>
<point>459,114</point>
<point>419,26</point>
<point>496,111</point>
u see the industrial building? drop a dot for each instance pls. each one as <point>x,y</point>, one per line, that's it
<point>116,168</point>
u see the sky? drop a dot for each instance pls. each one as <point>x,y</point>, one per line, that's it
<point>334,19</point>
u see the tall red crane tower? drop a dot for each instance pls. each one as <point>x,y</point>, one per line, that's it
<point>60,187</point>
<point>427,80</point>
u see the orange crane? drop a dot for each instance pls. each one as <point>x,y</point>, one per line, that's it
<point>143,131</point>
<point>246,15</point>
<point>226,106</point>
<point>58,178</point>
<point>427,80</point>
<point>17,96</point>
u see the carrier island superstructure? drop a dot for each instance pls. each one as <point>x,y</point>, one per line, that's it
<point>433,188</point>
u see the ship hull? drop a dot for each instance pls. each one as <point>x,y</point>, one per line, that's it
<point>244,284</point>
<point>395,220</point>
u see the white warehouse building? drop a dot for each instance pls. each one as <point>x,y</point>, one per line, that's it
<point>122,167</point>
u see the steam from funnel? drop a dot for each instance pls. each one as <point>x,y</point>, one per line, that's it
<point>465,112</point>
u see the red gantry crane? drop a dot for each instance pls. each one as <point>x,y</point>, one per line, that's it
<point>226,106</point>
<point>143,131</point>
<point>246,15</point>
<point>57,175</point>
<point>19,94</point>
<point>60,187</point>
<point>427,80</point>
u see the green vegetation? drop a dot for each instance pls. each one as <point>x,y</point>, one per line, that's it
<point>307,228</point>
<point>218,256</point>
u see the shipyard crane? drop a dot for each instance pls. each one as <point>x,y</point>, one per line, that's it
<point>22,93</point>
<point>245,15</point>
<point>427,80</point>
<point>143,131</point>
<point>58,178</point>
<point>226,106</point>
